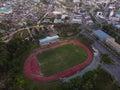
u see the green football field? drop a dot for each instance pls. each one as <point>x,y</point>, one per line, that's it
<point>61,58</point>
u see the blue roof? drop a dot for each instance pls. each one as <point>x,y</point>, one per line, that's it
<point>102,35</point>
<point>47,39</point>
<point>5,10</point>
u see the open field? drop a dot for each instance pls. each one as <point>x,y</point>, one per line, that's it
<point>61,58</point>
<point>33,70</point>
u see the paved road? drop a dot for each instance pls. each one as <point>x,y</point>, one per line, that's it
<point>114,70</point>
<point>102,48</point>
<point>10,36</point>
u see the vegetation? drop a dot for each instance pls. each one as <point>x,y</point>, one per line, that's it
<point>3,26</point>
<point>41,33</point>
<point>112,31</point>
<point>61,58</point>
<point>92,80</point>
<point>65,30</point>
<point>12,58</point>
<point>21,34</point>
<point>107,60</point>
<point>84,40</point>
<point>88,9</point>
<point>3,34</point>
<point>33,85</point>
<point>13,78</point>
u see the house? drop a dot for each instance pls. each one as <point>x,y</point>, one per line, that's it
<point>58,21</point>
<point>114,19</point>
<point>48,40</point>
<point>64,16</point>
<point>77,19</point>
<point>76,1</point>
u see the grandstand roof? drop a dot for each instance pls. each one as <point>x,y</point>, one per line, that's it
<point>49,38</point>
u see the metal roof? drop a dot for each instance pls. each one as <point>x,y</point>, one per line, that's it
<point>49,38</point>
<point>102,35</point>
<point>117,26</point>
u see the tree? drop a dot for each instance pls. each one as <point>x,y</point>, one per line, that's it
<point>4,56</point>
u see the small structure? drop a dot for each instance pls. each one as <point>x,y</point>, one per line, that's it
<point>48,40</point>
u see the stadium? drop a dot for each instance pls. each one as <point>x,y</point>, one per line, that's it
<point>57,61</point>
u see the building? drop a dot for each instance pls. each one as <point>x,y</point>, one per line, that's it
<point>76,1</point>
<point>37,1</point>
<point>58,21</point>
<point>107,39</point>
<point>101,35</point>
<point>116,19</point>
<point>4,10</point>
<point>48,40</point>
<point>100,15</point>
<point>77,19</point>
<point>112,43</point>
<point>117,26</point>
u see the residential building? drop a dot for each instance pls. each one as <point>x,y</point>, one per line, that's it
<point>77,19</point>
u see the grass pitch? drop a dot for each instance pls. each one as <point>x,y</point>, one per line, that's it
<point>61,58</point>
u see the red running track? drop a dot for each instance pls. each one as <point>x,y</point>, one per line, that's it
<point>33,71</point>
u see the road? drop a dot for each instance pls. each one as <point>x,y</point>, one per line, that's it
<point>10,36</point>
<point>114,70</point>
<point>102,48</point>
<point>50,9</point>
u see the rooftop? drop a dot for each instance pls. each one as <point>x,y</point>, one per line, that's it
<point>5,10</point>
<point>49,38</point>
<point>102,35</point>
